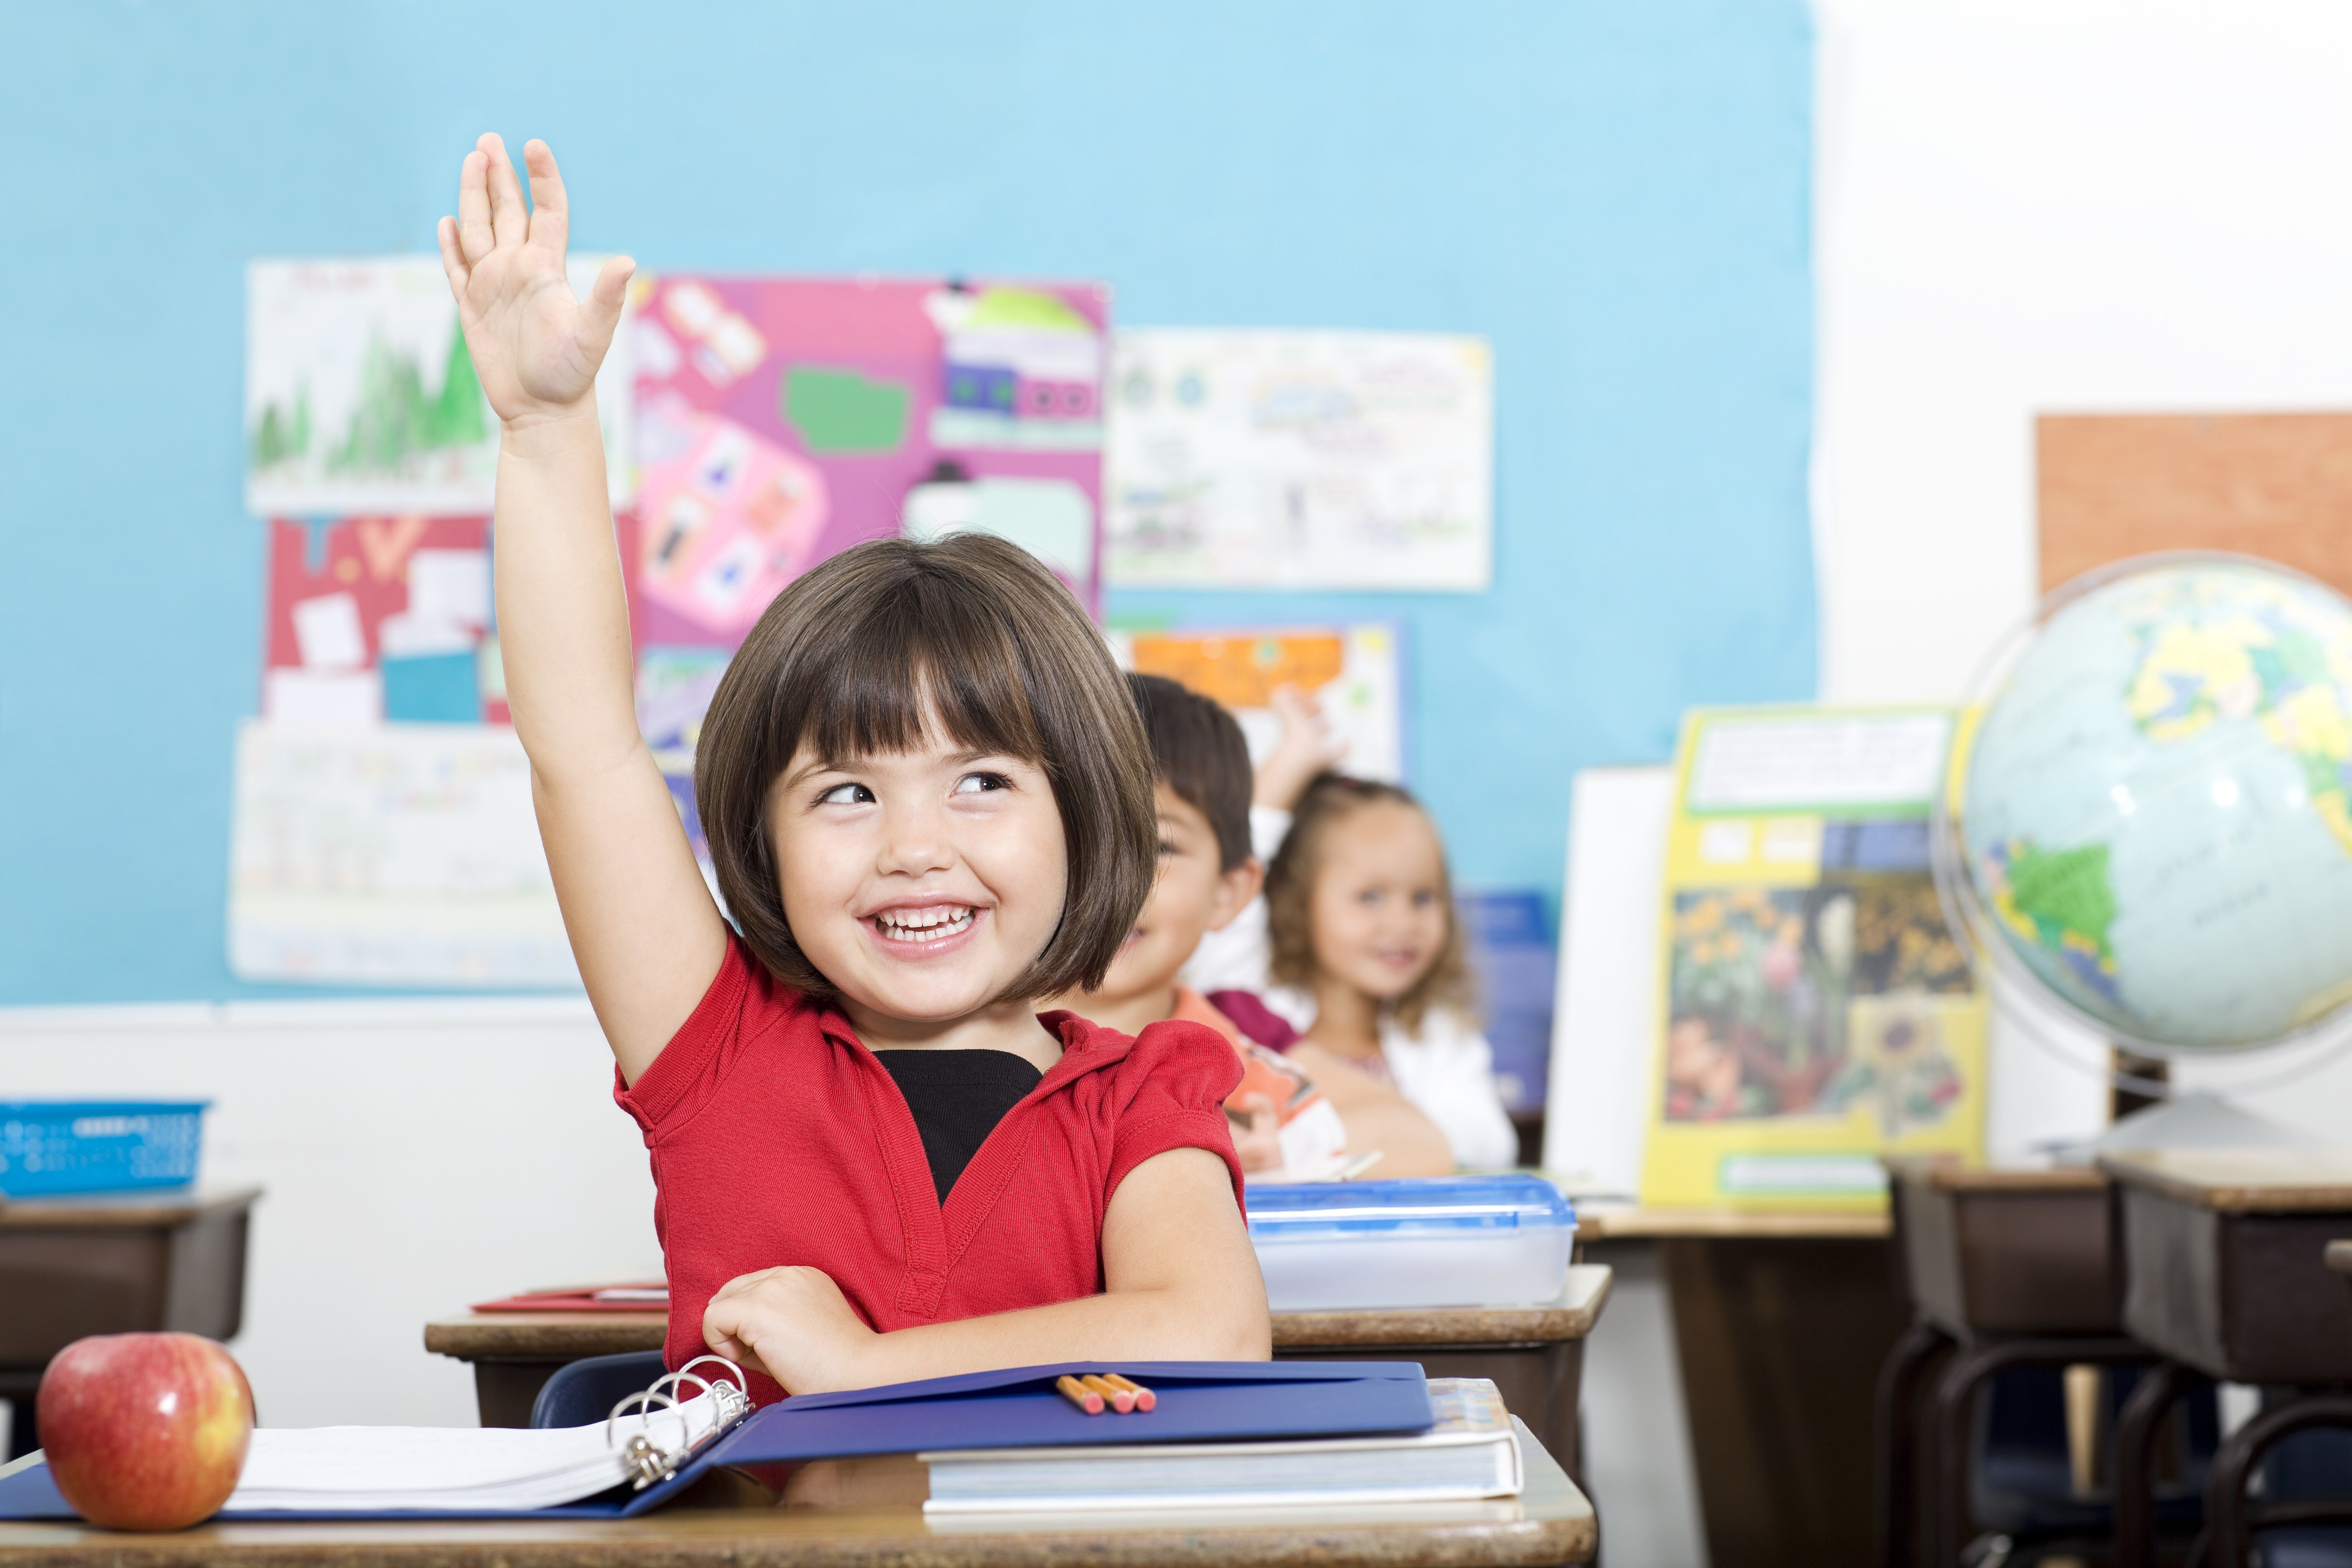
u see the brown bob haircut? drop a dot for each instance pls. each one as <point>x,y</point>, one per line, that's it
<point>864,654</point>
<point>1328,799</point>
<point>1198,748</point>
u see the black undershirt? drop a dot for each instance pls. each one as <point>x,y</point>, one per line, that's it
<point>957,1098</point>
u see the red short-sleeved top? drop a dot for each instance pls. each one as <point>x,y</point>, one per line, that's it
<point>777,1138</point>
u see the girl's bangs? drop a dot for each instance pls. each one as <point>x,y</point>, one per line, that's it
<point>921,663</point>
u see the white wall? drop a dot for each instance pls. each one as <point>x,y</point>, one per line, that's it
<point>417,1156</point>
<point>2031,206</point>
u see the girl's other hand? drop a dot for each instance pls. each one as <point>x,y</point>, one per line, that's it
<point>1258,1142</point>
<point>1306,748</point>
<point>535,344</point>
<point>793,1324</point>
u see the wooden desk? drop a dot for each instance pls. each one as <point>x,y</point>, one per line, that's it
<point>2005,1249</point>
<point>2225,1273</point>
<point>109,1264</point>
<point>1535,1354</point>
<point>1623,1222</point>
<point>2004,1267</point>
<point>1549,1523</point>
<point>1781,1319</point>
<point>2225,1254</point>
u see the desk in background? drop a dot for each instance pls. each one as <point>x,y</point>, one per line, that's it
<point>1781,1324</point>
<point>1535,1354</point>
<point>2006,1269</point>
<point>2227,1271</point>
<point>112,1264</point>
<point>725,1522</point>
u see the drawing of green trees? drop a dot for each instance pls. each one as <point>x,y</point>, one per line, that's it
<point>393,420</point>
<point>276,438</point>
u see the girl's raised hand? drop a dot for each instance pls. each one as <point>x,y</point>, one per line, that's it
<point>535,344</point>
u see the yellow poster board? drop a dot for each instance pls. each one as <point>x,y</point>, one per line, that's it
<point>1817,1011</point>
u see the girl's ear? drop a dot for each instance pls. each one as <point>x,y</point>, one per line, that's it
<point>1235,888</point>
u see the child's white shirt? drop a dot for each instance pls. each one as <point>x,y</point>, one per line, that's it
<point>1447,1071</point>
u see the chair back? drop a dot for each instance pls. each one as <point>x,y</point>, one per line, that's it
<point>583,1393</point>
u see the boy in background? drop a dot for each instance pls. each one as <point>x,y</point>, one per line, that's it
<point>1284,1125</point>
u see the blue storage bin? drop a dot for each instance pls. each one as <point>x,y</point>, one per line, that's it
<point>1432,1241</point>
<point>48,1148</point>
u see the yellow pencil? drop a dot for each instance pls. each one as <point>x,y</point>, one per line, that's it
<point>1120,1399</point>
<point>1144,1398</point>
<point>1080,1395</point>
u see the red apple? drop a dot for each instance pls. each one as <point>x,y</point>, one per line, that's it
<point>144,1431</point>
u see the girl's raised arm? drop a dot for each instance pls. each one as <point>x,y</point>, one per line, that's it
<point>643,928</point>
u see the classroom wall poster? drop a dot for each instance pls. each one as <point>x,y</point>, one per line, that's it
<point>1355,673</point>
<point>1818,1012</point>
<point>376,619</point>
<point>1300,459</point>
<point>400,855</point>
<point>360,396</point>
<point>782,420</point>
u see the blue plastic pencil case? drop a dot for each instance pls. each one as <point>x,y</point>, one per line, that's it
<point>53,1148</point>
<point>1198,1402</point>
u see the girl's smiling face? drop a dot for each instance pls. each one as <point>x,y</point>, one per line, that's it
<point>1378,909</point>
<point>923,883</point>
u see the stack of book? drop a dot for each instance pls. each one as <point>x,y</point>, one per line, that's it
<point>1471,1452</point>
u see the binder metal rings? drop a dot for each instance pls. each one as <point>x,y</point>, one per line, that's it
<point>647,1461</point>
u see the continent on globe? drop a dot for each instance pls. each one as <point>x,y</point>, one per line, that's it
<point>2254,664</point>
<point>2060,900</point>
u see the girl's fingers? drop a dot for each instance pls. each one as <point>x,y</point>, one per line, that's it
<point>600,312</point>
<point>509,219</point>
<point>474,235</point>
<point>451,263</point>
<point>550,211</point>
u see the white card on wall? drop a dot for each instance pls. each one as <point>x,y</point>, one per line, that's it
<point>1299,460</point>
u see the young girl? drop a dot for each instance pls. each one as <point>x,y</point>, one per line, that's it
<point>928,803</point>
<point>1368,956</point>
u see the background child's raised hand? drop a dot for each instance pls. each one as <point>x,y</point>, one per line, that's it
<point>535,344</point>
<point>1306,748</point>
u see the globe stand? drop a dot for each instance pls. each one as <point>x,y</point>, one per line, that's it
<point>2198,1119</point>
<point>2161,1115</point>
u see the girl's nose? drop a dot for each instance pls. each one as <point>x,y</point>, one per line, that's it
<point>915,840</point>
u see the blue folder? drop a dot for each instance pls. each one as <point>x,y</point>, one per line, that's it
<point>1199,1402</point>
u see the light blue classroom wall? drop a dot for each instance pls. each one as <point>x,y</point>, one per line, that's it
<point>1615,192</point>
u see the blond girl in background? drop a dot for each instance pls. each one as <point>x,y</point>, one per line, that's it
<point>1366,956</point>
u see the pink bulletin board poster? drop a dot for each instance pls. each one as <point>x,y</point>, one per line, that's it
<point>374,619</point>
<point>781,420</point>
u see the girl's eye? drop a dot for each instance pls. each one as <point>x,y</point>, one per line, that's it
<point>1422,900</point>
<point>846,795</point>
<point>1166,848</point>
<point>981,784</point>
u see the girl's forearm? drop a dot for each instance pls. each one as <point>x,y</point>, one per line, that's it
<point>1410,1143</point>
<point>563,619</point>
<point>1177,1324</point>
<point>1377,1117</point>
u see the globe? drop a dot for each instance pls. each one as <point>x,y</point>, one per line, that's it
<point>2151,824</point>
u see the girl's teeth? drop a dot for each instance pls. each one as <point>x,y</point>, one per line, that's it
<point>924,926</point>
